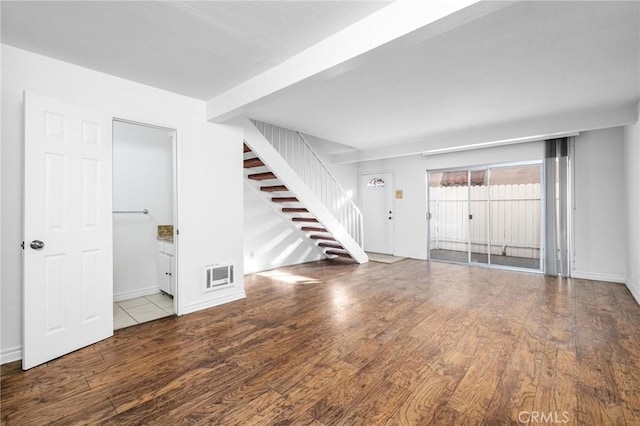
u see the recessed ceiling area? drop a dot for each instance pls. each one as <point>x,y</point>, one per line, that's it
<point>195,48</point>
<point>525,61</point>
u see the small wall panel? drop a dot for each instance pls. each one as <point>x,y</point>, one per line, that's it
<point>89,284</point>
<point>90,133</point>
<point>55,128</point>
<point>91,195</point>
<point>54,281</point>
<point>55,191</point>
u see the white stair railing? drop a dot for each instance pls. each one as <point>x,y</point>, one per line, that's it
<point>297,152</point>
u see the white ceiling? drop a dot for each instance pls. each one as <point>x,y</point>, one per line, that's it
<point>195,48</point>
<point>526,61</point>
<point>529,60</point>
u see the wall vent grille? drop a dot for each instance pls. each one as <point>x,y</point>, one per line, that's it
<point>217,276</point>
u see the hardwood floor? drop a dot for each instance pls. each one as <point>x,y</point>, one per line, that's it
<point>378,344</point>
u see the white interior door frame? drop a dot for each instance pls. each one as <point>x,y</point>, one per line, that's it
<point>175,136</point>
<point>391,228</point>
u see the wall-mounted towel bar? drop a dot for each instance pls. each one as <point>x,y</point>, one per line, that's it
<point>145,211</point>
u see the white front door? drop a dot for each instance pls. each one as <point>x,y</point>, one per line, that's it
<point>377,193</point>
<point>67,288</point>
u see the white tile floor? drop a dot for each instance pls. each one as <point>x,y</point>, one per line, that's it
<point>141,309</point>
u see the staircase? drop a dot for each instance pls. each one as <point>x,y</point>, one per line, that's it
<point>281,165</point>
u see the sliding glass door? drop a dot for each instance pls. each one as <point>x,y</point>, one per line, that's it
<point>448,211</point>
<point>489,215</point>
<point>516,216</point>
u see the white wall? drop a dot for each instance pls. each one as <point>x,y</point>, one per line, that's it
<point>600,209</point>
<point>269,241</point>
<point>410,223</point>
<point>632,169</point>
<point>142,179</point>
<point>210,211</point>
<point>209,175</point>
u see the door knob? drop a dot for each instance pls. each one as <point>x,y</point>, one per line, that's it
<point>36,244</point>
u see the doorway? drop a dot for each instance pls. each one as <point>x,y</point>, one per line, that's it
<point>144,266</point>
<point>376,196</point>
<point>487,215</point>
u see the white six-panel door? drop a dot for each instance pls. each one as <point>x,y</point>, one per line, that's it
<point>67,289</point>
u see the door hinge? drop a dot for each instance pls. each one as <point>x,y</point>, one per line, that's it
<point>470,216</point>
<point>428,215</point>
<point>177,232</point>
<point>22,245</point>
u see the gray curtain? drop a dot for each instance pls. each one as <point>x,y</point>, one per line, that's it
<point>556,166</point>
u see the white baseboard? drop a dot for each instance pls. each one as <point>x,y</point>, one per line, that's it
<point>10,355</point>
<point>411,256</point>
<point>210,303</point>
<point>612,278</point>
<point>252,268</point>
<point>125,295</point>
<point>635,292</point>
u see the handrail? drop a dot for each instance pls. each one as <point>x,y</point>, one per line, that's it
<point>145,211</point>
<point>298,153</point>
<point>328,171</point>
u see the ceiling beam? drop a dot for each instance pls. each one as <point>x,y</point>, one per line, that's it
<point>389,23</point>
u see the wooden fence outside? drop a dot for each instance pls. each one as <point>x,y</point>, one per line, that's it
<point>513,216</point>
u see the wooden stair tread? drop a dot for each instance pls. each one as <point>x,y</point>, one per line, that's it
<point>331,245</point>
<point>338,253</point>
<point>322,237</point>
<point>246,148</point>
<point>313,229</point>
<point>284,199</point>
<point>262,176</point>
<point>304,219</point>
<point>294,210</point>
<point>275,188</point>
<point>253,162</point>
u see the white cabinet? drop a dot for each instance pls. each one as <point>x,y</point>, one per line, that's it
<point>166,267</point>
